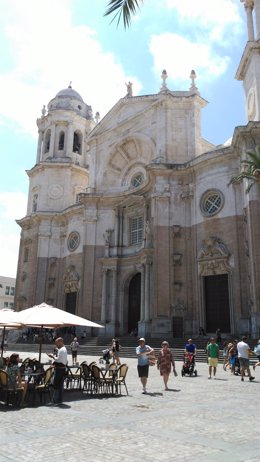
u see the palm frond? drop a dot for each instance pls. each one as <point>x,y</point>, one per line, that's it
<point>125,8</point>
<point>251,172</point>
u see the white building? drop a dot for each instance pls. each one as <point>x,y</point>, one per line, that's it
<point>7,292</point>
<point>130,220</point>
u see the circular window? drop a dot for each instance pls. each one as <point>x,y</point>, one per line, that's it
<point>137,180</point>
<point>211,203</point>
<point>73,241</point>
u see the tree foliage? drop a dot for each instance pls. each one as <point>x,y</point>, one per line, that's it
<point>251,170</point>
<point>123,8</point>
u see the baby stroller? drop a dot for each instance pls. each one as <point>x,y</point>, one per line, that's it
<point>188,367</point>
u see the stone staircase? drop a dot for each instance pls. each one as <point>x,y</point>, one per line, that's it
<point>93,346</point>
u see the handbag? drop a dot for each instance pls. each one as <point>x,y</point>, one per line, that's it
<point>152,359</point>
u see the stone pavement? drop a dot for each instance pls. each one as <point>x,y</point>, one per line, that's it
<point>196,420</point>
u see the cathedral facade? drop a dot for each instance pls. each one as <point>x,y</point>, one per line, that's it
<point>131,221</point>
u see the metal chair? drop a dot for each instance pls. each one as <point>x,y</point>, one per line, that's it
<point>98,378</point>
<point>87,378</point>
<point>44,387</point>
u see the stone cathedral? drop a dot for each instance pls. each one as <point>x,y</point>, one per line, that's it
<point>130,219</point>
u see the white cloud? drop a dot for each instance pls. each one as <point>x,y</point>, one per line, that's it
<point>48,52</point>
<point>179,56</point>
<point>12,206</point>
<point>221,19</point>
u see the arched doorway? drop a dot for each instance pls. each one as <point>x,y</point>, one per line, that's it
<point>134,302</point>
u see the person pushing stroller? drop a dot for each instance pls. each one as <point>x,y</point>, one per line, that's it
<point>190,351</point>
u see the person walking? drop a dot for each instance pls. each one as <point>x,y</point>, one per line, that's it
<point>143,351</point>
<point>244,350</point>
<point>74,350</point>
<point>213,355</point>
<point>165,362</point>
<point>59,362</point>
<point>115,348</point>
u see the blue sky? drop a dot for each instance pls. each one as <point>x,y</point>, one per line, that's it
<point>46,44</point>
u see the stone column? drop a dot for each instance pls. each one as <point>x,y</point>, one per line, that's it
<point>52,140</point>
<point>140,268</point>
<point>257,18</point>
<point>69,143</point>
<point>104,296</point>
<point>249,5</point>
<point>39,147</point>
<point>113,297</point>
<point>147,291</point>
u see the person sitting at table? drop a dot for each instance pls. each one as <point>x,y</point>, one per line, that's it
<point>14,376</point>
<point>60,362</point>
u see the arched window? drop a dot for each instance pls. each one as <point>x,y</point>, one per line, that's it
<point>61,141</point>
<point>77,142</point>
<point>47,141</point>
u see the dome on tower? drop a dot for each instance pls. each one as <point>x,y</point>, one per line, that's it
<point>69,93</point>
<point>70,100</point>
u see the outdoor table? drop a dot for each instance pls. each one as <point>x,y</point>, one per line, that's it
<point>33,379</point>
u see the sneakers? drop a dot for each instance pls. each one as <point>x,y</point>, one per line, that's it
<point>251,378</point>
<point>242,379</point>
<point>144,391</point>
<point>209,377</point>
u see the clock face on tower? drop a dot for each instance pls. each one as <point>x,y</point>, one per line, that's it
<point>251,109</point>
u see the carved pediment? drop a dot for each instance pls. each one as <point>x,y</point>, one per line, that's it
<point>213,257</point>
<point>71,279</point>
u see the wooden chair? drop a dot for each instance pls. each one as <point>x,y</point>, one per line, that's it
<point>10,392</point>
<point>120,379</point>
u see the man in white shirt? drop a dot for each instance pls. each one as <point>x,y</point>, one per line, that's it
<point>243,350</point>
<point>60,362</point>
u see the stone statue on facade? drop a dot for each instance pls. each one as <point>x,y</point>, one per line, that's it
<point>71,279</point>
<point>108,237</point>
<point>129,88</point>
<point>44,110</point>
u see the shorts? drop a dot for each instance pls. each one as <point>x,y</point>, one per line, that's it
<point>244,362</point>
<point>213,362</point>
<point>143,371</point>
<point>232,360</point>
<point>74,354</point>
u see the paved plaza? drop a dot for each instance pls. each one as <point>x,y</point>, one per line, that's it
<point>196,420</point>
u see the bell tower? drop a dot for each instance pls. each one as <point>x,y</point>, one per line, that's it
<point>249,67</point>
<point>62,164</point>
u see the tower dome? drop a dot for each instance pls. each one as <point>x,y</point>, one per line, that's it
<point>69,99</point>
<point>69,93</point>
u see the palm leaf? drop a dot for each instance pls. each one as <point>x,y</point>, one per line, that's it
<point>125,8</point>
<point>252,168</point>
